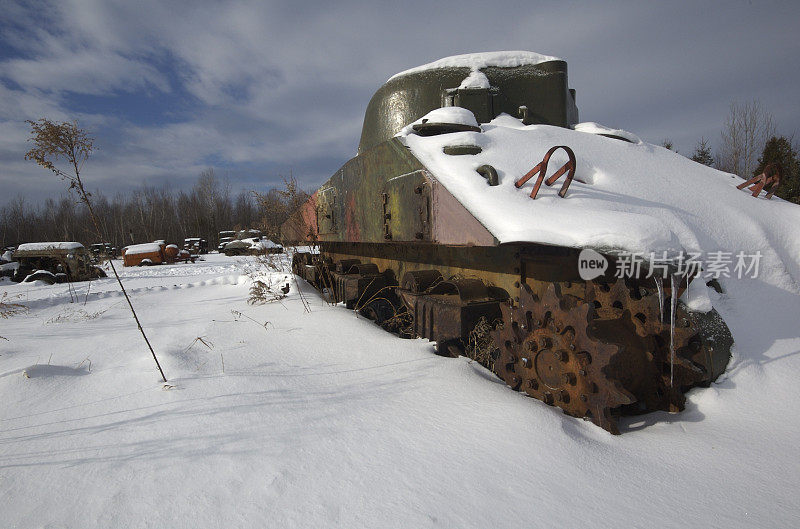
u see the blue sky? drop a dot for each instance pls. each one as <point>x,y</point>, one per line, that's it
<point>259,89</point>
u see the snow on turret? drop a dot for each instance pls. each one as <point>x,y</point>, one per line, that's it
<point>476,61</point>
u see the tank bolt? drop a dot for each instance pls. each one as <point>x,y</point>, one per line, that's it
<point>561,355</point>
<point>584,398</point>
<point>548,398</point>
<point>533,384</point>
<point>526,362</point>
<point>685,322</point>
<point>644,292</point>
<point>584,358</point>
<point>563,396</point>
<point>516,284</point>
<point>544,343</point>
<point>532,346</point>
<point>516,298</point>
<point>568,378</point>
<point>582,372</point>
<point>538,323</point>
<point>572,347</point>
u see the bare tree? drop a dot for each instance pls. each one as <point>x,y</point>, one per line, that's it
<point>746,130</point>
<point>53,142</point>
<point>277,205</point>
<point>144,214</point>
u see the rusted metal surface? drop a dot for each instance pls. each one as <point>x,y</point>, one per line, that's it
<point>356,284</point>
<point>621,323</point>
<point>541,170</point>
<point>769,179</point>
<point>406,201</point>
<point>74,264</point>
<point>421,280</point>
<point>548,349</point>
<point>428,128</point>
<point>489,173</point>
<point>461,150</point>
<point>385,195</point>
<point>447,311</point>
<point>403,251</point>
<point>139,259</point>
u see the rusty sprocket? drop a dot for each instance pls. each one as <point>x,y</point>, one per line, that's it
<point>548,350</point>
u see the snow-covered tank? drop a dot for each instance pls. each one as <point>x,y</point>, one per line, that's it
<point>445,226</point>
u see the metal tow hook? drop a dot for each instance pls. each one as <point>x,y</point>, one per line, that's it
<point>541,168</point>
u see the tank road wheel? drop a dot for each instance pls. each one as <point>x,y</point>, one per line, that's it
<point>548,351</point>
<point>379,310</point>
<point>299,261</point>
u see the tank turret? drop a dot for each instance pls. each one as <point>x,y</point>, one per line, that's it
<point>516,83</point>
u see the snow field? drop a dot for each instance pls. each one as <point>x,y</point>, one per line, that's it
<point>322,419</point>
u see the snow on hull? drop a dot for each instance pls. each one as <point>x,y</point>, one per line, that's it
<point>637,197</point>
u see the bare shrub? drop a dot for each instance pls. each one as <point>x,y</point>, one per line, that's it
<point>746,130</point>
<point>9,308</point>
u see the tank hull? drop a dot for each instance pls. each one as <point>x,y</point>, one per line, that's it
<point>396,245</point>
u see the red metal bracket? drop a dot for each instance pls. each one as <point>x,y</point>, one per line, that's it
<point>770,178</point>
<point>541,168</point>
<point>758,182</point>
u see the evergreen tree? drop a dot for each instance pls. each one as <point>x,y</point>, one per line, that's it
<point>702,153</point>
<point>780,150</point>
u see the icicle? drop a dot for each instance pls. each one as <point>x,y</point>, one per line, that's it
<point>660,290</point>
<point>673,302</point>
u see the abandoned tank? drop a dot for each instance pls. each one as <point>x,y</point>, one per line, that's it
<point>448,225</point>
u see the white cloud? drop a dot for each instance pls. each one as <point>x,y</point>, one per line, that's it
<point>89,72</point>
<point>277,84</point>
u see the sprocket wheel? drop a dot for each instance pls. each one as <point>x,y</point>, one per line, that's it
<point>639,305</point>
<point>548,350</point>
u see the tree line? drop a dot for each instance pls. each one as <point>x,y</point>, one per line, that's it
<point>152,213</point>
<point>748,144</point>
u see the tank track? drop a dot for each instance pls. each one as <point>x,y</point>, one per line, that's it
<point>597,349</point>
<point>602,356</point>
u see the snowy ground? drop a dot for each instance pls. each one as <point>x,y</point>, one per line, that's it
<point>321,419</point>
